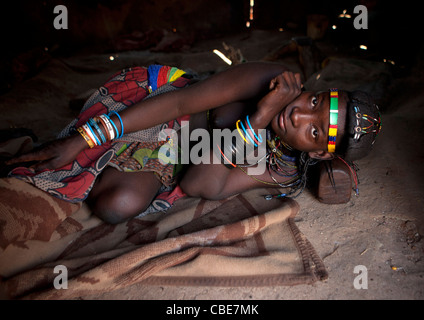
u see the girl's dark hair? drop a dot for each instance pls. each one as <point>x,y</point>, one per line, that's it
<point>363,123</point>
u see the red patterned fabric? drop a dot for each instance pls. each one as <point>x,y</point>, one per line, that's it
<point>73,182</point>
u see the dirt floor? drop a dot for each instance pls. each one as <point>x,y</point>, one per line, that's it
<point>381,229</point>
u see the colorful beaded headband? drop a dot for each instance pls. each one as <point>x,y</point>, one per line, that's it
<point>334,113</point>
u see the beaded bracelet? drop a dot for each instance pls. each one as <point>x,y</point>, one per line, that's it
<point>247,135</point>
<point>95,137</point>
<point>252,137</point>
<point>227,162</point>
<point>239,131</point>
<point>120,120</point>
<point>86,137</point>
<point>94,124</point>
<point>112,124</point>
<point>258,138</point>
<point>91,134</point>
<point>110,132</point>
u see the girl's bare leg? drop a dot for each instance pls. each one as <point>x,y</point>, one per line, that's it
<point>118,196</point>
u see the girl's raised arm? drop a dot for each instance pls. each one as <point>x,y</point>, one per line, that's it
<point>238,83</point>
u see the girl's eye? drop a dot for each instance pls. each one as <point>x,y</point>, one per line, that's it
<point>314,133</point>
<point>314,101</point>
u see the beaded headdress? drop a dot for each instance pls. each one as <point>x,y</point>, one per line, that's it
<point>371,125</point>
<point>363,123</point>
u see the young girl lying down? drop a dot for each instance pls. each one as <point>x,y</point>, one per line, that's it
<point>125,152</point>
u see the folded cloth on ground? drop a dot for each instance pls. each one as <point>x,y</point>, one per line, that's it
<point>241,241</point>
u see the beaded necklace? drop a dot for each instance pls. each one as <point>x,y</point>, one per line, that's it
<point>282,165</point>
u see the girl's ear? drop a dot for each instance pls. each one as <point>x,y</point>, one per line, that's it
<point>321,155</point>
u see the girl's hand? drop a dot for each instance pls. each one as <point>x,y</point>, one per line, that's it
<point>283,89</point>
<point>53,155</point>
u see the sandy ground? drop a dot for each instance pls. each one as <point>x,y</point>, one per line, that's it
<point>380,230</point>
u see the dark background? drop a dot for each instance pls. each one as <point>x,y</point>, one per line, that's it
<point>29,39</point>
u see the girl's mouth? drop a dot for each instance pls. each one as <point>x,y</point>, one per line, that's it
<point>282,120</point>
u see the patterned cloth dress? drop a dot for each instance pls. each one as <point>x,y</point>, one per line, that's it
<point>138,151</point>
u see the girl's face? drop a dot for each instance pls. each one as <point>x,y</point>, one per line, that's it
<point>304,123</point>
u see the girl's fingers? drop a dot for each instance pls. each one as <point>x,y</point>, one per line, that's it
<point>39,155</point>
<point>298,80</point>
<point>41,166</point>
<point>272,84</point>
<point>291,80</point>
<point>23,158</point>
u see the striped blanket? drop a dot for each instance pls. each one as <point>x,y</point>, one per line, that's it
<point>253,241</point>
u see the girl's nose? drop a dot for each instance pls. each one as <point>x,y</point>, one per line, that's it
<point>299,116</point>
